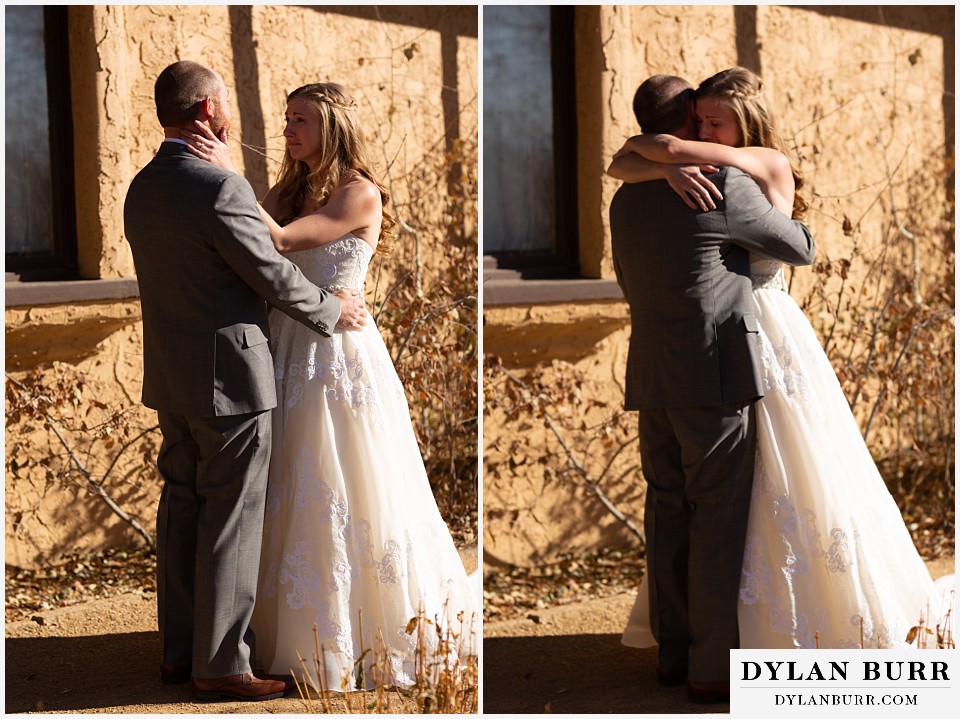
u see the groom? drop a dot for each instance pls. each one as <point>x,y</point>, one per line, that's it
<point>205,264</point>
<point>692,372</point>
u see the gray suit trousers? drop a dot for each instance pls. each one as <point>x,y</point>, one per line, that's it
<point>698,463</point>
<point>209,530</point>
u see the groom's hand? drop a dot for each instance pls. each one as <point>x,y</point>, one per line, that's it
<point>353,314</point>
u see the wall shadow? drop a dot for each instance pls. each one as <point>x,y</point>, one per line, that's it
<point>576,674</point>
<point>748,49</point>
<point>246,72</point>
<point>51,674</point>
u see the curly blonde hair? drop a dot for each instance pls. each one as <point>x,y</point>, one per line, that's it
<point>742,90</point>
<point>342,150</point>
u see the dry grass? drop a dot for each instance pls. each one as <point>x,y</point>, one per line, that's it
<point>941,634</point>
<point>920,635</point>
<point>447,674</point>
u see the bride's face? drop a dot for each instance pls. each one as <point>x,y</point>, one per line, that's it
<point>717,123</point>
<point>302,131</point>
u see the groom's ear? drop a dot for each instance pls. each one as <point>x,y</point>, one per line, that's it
<point>207,109</point>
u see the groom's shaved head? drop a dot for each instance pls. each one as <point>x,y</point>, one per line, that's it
<point>662,103</point>
<point>179,90</point>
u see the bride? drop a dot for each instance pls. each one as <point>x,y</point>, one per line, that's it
<point>828,561</point>
<point>353,541</point>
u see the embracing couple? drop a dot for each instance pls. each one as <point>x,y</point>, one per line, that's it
<point>294,493</point>
<point>767,523</point>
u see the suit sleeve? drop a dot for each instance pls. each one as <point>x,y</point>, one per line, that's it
<point>243,240</point>
<point>755,224</point>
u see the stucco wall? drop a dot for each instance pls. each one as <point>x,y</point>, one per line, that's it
<point>532,512</point>
<point>413,71</point>
<point>860,97</point>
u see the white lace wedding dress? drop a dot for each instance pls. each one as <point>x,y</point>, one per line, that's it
<point>826,544</point>
<point>353,541</point>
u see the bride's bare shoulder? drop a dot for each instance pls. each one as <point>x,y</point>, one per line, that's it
<point>774,160</point>
<point>358,193</point>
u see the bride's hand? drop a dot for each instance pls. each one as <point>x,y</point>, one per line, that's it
<point>207,146</point>
<point>694,189</point>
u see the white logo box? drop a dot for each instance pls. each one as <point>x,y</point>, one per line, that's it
<point>844,682</point>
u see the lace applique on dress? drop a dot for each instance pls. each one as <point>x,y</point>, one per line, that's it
<point>782,373</point>
<point>778,567</point>
<point>351,556</point>
<point>782,361</point>
<point>769,281</point>
<point>798,529</point>
<point>337,265</point>
<point>349,375</point>
<point>766,273</point>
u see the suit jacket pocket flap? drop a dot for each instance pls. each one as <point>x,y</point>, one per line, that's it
<point>253,336</point>
<point>750,323</point>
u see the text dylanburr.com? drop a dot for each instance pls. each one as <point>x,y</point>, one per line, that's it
<point>855,682</point>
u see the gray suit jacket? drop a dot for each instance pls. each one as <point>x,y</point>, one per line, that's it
<point>205,265</point>
<point>686,277</point>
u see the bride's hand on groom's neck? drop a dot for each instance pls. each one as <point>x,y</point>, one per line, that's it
<point>206,145</point>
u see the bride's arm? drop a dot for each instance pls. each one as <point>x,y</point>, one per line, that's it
<point>355,206</point>
<point>769,168</point>
<point>687,181</point>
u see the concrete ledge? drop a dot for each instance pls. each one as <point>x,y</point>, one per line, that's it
<point>516,291</point>
<point>32,294</point>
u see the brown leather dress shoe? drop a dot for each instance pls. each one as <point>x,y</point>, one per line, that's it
<point>239,687</point>
<point>289,682</point>
<point>174,675</point>
<point>708,692</point>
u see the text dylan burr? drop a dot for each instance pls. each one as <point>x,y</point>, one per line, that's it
<point>838,671</point>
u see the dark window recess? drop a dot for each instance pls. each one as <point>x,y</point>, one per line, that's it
<point>40,225</point>
<point>530,152</point>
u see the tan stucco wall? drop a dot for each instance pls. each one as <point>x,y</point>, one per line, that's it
<point>629,44</point>
<point>530,515</point>
<point>413,71</point>
<point>854,93</point>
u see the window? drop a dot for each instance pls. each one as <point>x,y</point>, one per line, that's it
<point>40,223</point>
<point>529,140</point>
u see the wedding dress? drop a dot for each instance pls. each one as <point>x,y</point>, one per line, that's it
<point>353,541</point>
<point>827,554</point>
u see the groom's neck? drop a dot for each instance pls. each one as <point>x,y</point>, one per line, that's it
<point>685,133</point>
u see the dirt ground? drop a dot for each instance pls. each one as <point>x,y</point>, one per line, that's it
<point>101,657</point>
<point>570,660</point>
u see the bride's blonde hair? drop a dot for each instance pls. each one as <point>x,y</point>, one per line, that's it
<point>342,150</point>
<point>742,90</point>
